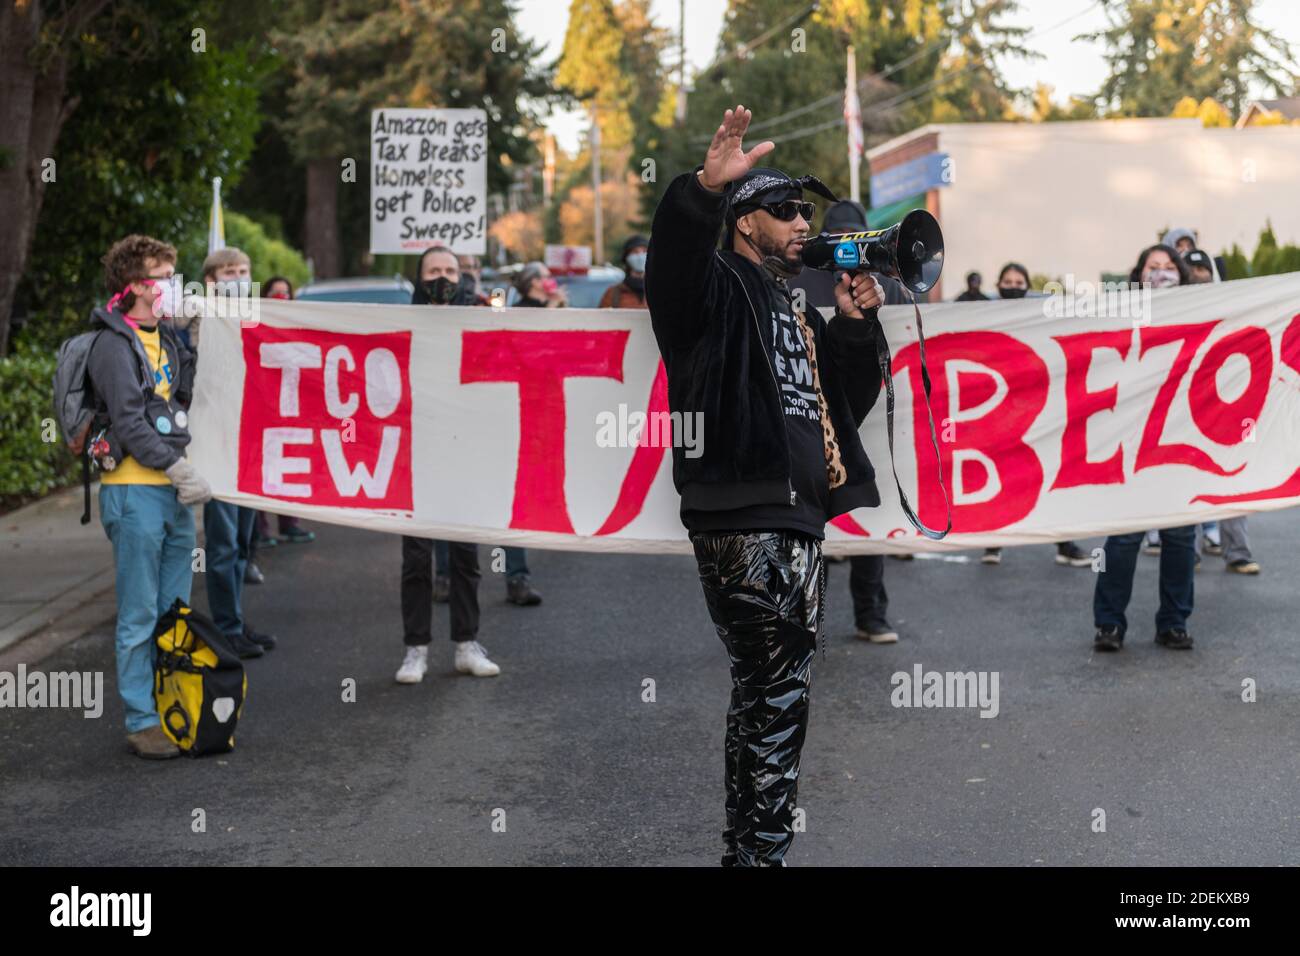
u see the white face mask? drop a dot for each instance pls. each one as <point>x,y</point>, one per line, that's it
<point>636,261</point>
<point>168,303</point>
<point>1162,278</point>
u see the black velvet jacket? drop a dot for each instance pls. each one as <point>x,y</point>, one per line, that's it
<point>706,306</point>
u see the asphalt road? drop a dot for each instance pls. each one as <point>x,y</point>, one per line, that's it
<point>563,750</point>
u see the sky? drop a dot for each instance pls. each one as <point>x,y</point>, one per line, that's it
<point>1070,67</point>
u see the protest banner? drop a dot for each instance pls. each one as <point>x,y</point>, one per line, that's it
<point>551,428</point>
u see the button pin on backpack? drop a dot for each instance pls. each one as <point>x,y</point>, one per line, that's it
<point>222,708</point>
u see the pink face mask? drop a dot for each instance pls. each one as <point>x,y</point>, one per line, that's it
<point>550,286</point>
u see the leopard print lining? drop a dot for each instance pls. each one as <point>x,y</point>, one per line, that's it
<point>834,466</point>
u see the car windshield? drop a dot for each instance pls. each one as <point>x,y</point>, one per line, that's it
<point>584,292</point>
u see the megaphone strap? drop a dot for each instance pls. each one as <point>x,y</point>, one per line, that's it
<point>887,373</point>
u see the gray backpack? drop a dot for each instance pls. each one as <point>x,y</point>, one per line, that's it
<point>74,395</point>
<point>75,404</point>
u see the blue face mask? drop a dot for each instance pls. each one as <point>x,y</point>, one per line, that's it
<point>636,261</point>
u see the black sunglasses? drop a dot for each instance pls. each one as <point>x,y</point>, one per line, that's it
<point>787,210</point>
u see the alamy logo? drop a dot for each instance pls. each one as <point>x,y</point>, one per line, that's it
<point>77,690</point>
<point>102,909</point>
<point>626,429</point>
<point>946,689</point>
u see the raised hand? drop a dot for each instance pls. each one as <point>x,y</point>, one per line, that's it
<point>726,159</point>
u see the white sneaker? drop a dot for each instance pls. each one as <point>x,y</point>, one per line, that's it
<point>414,665</point>
<point>471,658</point>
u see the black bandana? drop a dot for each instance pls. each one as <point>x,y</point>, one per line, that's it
<point>755,184</point>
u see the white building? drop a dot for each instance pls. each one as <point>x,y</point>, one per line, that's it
<point>1084,198</point>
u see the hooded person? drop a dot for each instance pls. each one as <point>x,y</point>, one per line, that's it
<point>630,293</point>
<point>781,392</point>
<point>1185,241</point>
<point>1179,239</point>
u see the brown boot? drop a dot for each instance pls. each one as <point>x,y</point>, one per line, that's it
<point>152,744</point>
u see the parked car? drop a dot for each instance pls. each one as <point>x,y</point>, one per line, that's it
<point>394,290</point>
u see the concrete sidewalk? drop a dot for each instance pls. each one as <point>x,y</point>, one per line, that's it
<point>56,575</point>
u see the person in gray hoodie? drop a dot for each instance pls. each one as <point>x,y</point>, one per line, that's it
<point>142,378</point>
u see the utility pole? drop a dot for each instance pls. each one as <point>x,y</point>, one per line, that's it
<point>597,253</point>
<point>548,169</point>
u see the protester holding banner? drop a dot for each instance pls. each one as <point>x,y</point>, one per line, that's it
<point>291,530</point>
<point>228,528</point>
<point>439,285</point>
<point>783,394</point>
<point>1158,267</point>
<point>630,293</point>
<point>1227,537</point>
<point>1014,283</point>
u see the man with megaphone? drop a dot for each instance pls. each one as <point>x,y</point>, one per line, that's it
<point>782,393</point>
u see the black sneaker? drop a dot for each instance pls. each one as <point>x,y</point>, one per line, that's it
<point>441,589</point>
<point>520,591</point>
<point>265,641</point>
<point>244,647</point>
<point>991,556</point>
<point>1108,639</point>
<point>1175,639</point>
<point>261,543</point>
<point>298,536</point>
<point>1070,553</point>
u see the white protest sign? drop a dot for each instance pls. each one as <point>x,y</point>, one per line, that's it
<point>428,181</point>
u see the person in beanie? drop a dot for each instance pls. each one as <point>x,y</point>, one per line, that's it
<point>630,293</point>
<point>781,393</point>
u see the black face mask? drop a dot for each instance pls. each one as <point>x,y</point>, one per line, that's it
<point>1011,293</point>
<point>441,291</point>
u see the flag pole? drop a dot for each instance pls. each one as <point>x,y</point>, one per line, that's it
<point>216,221</point>
<point>853,120</point>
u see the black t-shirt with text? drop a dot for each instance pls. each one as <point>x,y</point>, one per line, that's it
<point>803,425</point>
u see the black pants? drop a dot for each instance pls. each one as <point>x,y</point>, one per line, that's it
<point>764,593</point>
<point>867,585</point>
<point>417,590</point>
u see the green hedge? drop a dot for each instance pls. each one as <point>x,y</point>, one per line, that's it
<point>29,465</point>
<point>1269,258</point>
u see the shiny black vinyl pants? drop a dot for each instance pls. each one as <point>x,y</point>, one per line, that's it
<point>764,591</point>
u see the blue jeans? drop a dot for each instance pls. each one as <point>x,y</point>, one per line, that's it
<point>228,538</point>
<point>516,560</point>
<point>153,544</point>
<point>1177,567</point>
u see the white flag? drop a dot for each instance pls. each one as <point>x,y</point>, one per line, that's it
<point>216,222</point>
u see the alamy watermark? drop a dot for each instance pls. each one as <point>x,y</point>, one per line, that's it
<point>624,429</point>
<point>1074,299</point>
<point>37,689</point>
<point>922,688</point>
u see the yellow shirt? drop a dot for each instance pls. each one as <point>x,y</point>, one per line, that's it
<point>128,470</point>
